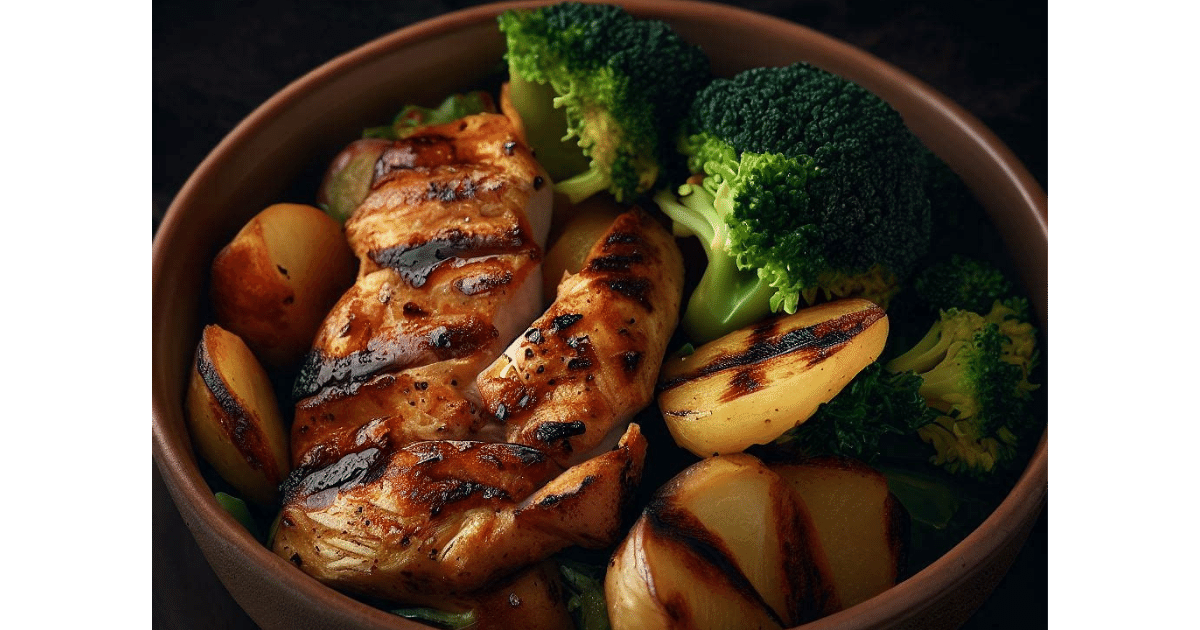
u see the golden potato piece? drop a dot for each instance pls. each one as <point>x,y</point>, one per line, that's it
<point>724,544</point>
<point>234,418</point>
<point>274,282</point>
<point>575,230</point>
<point>860,525</point>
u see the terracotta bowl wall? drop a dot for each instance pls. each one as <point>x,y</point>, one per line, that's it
<point>298,130</point>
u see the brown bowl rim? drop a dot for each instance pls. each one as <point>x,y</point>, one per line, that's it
<point>920,592</point>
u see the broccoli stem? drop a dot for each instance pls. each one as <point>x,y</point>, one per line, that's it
<point>727,298</point>
<point>584,185</point>
<point>546,127</point>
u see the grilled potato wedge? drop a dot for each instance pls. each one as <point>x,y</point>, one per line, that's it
<point>861,527</point>
<point>725,544</point>
<point>274,282</point>
<point>233,416</point>
<point>752,385</point>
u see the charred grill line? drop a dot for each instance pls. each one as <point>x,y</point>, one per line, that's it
<point>818,342</point>
<point>555,499</point>
<point>343,374</point>
<point>682,528</point>
<point>351,470</point>
<point>547,432</point>
<point>416,261</point>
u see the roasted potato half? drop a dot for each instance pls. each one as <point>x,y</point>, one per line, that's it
<point>753,384</point>
<point>233,416</point>
<point>274,282</point>
<point>724,544</point>
<point>861,527</point>
<point>347,181</point>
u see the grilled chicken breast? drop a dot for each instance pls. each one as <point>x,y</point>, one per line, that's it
<point>573,380</point>
<point>433,520</point>
<point>449,242</point>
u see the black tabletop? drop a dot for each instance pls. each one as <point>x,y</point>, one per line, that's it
<point>215,61</point>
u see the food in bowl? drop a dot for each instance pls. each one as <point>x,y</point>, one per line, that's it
<point>498,408</point>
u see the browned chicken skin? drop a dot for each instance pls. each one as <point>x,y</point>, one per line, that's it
<point>449,241</point>
<point>588,364</point>
<point>433,520</point>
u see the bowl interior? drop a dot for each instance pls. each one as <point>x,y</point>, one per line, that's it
<point>279,151</point>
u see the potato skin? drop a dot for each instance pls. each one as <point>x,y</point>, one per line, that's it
<point>233,417</point>
<point>274,282</point>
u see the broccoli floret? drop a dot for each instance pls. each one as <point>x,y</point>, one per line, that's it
<point>600,93</point>
<point>962,283</point>
<point>975,373</point>
<point>875,405</point>
<point>818,191</point>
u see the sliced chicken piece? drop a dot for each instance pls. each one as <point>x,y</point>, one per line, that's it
<point>433,520</point>
<point>571,383</point>
<point>449,242</point>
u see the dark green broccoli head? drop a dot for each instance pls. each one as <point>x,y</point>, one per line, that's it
<point>861,213</point>
<point>875,405</point>
<point>622,84</point>
<point>975,372</point>
<point>962,283</point>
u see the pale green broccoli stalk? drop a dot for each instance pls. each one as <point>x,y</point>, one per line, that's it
<point>746,292</point>
<point>975,372</point>
<point>600,93</point>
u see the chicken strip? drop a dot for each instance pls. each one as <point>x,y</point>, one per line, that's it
<point>449,241</point>
<point>571,383</point>
<point>429,521</point>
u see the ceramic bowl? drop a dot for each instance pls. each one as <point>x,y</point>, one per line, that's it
<point>299,129</point>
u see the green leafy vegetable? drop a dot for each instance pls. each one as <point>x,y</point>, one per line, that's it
<point>414,117</point>
<point>586,602</point>
<point>439,618</point>
<point>238,509</point>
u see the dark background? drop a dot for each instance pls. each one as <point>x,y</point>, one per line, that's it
<point>214,61</point>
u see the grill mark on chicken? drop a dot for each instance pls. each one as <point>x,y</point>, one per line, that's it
<point>554,431</point>
<point>632,288</point>
<point>555,499</point>
<point>422,345</point>
<point>615,262</point>
<point>621,238</point>
<point>813,344</point>
<point>351,470</point>
<point>411,153</point>
<point>416,261</point>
